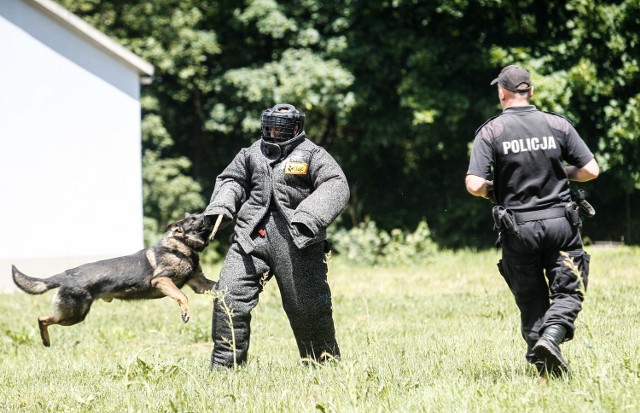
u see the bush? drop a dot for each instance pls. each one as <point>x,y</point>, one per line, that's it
<point>367,244</point>
<point>364,244</point>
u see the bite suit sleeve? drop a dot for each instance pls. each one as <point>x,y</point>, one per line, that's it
<point>230,190</point>
<point>328,199</point>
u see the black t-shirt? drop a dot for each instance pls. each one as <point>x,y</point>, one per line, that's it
<point>528,149</point>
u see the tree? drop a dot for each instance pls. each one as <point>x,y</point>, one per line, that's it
<point>395,89</point>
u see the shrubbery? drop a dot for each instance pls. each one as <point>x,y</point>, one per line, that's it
<point>367,244</point>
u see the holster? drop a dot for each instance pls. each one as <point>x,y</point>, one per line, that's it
<point>504,220</point>
<point>578,208</point>
<point>585,207</point>
<point>572,211</point>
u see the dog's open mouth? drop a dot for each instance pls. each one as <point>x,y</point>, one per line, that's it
<point>205,230</point>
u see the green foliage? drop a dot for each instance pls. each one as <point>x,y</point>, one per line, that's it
<point>299,76</point>
<point>168,190</point>
<point>394,90</point>
<point>369,245</point>
<point>267,17</point>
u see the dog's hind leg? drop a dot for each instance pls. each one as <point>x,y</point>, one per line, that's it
<point>43,323</point>
<point>69,308</point>
<point>168,288</point>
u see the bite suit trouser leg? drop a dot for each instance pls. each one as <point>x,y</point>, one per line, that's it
<point>238,289</point>
<point>531,255</point>
<point>301,275</point>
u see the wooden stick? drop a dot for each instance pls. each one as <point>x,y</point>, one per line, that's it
<point>215,226</point>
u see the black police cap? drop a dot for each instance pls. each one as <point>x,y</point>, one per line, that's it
<point>512,78</point>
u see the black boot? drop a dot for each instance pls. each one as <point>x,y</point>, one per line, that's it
<point>547,350</point>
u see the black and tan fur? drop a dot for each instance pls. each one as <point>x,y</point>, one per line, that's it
<point>155,272</point>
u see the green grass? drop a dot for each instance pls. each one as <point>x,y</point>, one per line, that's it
<point>440,337</point>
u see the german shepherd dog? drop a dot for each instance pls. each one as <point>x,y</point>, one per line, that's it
<point>155,272</point>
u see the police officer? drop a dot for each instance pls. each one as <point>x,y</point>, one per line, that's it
<point>524,159</point>
<point>283,191</point>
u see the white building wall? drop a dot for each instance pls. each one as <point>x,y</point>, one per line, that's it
<point>70,148</point>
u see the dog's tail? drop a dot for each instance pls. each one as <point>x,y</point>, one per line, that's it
<point>33,285</point>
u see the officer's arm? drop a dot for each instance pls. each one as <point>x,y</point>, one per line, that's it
<point>478,186</point>
<point>588,172</point>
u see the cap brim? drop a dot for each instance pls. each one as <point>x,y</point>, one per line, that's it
<point>494,81</point>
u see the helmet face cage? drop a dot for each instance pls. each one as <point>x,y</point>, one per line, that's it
<point>282,120</point>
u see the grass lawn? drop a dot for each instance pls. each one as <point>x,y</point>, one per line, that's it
<point>438,337</point>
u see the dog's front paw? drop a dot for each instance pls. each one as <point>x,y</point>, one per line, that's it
<point>185,316</point>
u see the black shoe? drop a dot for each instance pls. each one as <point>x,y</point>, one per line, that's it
<point>546,368</point>
<point>547,351</point>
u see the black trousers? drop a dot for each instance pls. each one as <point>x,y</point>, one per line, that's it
<point>543,280</point>
<point>301,275</point>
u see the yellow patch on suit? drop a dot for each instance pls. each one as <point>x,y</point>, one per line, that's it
<point>295,168</point>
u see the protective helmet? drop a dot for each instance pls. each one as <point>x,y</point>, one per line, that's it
<point>278,124</point>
